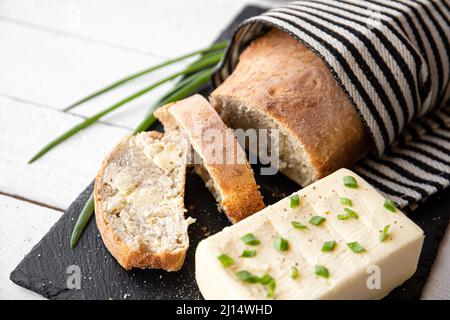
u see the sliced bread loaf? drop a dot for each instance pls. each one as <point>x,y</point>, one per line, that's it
<point>139,201</point>
<point>279,83</point>
<point>219,160</point>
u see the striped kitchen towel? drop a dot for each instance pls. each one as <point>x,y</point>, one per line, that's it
<point>392,60</point>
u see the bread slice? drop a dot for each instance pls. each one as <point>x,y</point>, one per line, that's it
<point>279,83</point>
<point>219,159</point>
<point>139,201</point>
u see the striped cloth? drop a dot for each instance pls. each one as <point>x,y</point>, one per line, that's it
<point>392,60</point>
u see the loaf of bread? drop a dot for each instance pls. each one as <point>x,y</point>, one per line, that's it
<point>219,160</point>
<point>279,83</point>
<point>139,201</point>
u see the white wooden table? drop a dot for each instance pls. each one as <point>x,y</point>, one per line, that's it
<point>53,52</point>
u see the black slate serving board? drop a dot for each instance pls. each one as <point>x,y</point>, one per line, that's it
<point>44,269</point>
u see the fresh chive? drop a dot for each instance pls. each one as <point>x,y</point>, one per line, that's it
<point>356,247</point>
<point>294,272</point>
<point>295,201</point>
<point>346,202</point>
<point>351,213</point>
<point>298,225</point>
<point>248,253</point>
<point>317,220</point>
<point>209,55</point>
<point>246,276</point>
<point>215,47</point>
<point>350,182</point>
<point>187,86</point>
<point>328,246</point>
<point>321,271</point>
<point>390,205</point>
<point>265,279</point>
<point>83,219</point>
<point>250,239</point>
<point>271,289</point>
<point>280,243</point>
<point>91,120</point>
<point>385,233</point>
<point>225,260</point>
<point>183,89</point>
<point>268,281</point>
<point>343,216</point>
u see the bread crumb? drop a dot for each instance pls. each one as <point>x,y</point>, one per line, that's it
<point>206,232</point>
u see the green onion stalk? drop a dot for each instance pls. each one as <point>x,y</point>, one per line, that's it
<point>220,46</point>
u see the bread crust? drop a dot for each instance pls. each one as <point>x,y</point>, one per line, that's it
<point>239,193</point>
<point>284,80</point>
<point>126,256</point>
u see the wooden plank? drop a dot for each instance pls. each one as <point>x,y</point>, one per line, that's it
<point>164,28</point>
<point>55,70</point>
<point>23,225</point>
<point>57,178</point>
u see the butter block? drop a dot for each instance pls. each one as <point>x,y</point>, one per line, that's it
<point>361,264</point>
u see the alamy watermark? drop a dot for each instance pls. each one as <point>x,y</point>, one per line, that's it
<point>218,147</point>
<point>373,282</point>
<point>73,277</point>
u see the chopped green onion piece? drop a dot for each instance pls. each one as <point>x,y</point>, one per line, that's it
<point>328,246</point>
<point>350,182</point>
<point>294,272</point>
<point>248,253</point>
<point>250,239</point>
<point>295,201</point>
<point>268,281</point>
<point>351,213</point>
<point>298,225</point>
<point>271,289</point>
<point>317,220</point>
<point>385,233</point>
<point>280,243</point>
<point>247,277</point>
<point>321,271</point>
<point>343,216</point>
<point>390,205</point>
<point>346,202</point>
<point>356,247</point>
<point>265,279</point>
<point>225,260</point>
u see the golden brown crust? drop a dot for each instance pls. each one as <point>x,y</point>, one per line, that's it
<point>126,256</point>
<point>234,180</point>
<point>286,81</point>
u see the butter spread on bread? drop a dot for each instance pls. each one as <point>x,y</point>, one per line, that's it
<point>139,201</point>
<point>315,247</point>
